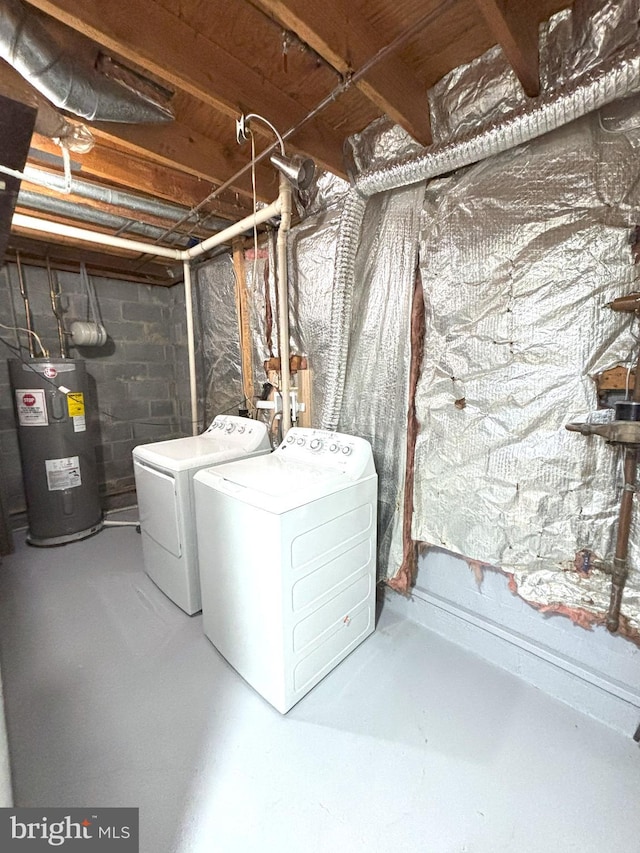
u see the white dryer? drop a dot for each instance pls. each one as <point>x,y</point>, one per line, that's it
<point>287,552</point>
<point>164,484</point>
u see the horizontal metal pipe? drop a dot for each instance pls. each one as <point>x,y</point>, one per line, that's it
<point>107,195</point>
<point>60,207</point>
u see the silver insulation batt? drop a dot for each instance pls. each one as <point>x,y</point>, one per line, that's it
<point>218,338</point>
<point>519,256</point>
<point>312,246</point>
<point>375,400</point>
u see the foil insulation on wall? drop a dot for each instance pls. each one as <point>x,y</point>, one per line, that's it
<point>311,260</point>
<point>311,250</point>
<point>259,269</point>
<point>218,338</point>
<point>519,256</point>
<point>312,246</point>
<point>375,399</point>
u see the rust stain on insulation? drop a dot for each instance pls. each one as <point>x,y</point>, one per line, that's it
<point>578,615</point>
<point>405,577</point>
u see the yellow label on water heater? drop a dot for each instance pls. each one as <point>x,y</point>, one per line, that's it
<point>75,403</point>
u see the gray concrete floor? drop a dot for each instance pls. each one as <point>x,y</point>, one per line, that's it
<point>115,697</point>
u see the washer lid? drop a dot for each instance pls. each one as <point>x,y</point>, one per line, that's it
<point>230,439</point>
<point>273,483</point>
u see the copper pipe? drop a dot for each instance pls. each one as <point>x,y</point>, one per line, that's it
<point>630,302</point>
<point>27,307</point>
<point>54,294</point>
<point>620,569</point>
<point>620,562</point>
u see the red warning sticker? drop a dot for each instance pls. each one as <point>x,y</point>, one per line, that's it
<point>32,407</point>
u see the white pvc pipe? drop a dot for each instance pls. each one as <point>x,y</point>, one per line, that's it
<point>136,246</point>
<point>283,303</point>
<point>232,231</point>
<point>191,348</point>
<point>46,226</point>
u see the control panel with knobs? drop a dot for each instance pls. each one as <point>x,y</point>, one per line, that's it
<point>327,449</point>
<point>233,427</point>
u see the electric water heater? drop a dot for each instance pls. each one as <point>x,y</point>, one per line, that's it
<point>58,454</point>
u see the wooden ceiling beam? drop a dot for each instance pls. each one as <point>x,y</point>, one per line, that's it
<point>179,147</point>
<point>514,25</point>
<point>337,31</point>
<point>161,42</point>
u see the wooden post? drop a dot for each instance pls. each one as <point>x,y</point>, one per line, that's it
<point>244,326</point>
<point>303,384</point>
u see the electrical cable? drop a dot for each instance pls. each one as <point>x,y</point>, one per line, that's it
<point>29,332</point>
<point>255,202</point>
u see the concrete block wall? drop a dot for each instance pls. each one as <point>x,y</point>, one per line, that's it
<point>140,375</point>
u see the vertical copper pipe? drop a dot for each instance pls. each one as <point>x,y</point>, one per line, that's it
<point>620,561</point>
<point>620,569</point>
<point>54,294</point>
<point>27,307</point>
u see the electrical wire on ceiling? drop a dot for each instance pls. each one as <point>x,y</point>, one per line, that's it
<point>346,83</point>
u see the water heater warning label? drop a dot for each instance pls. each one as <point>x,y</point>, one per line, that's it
<point>31,406</point>
<point>63,473</point>
<point>75,403</point>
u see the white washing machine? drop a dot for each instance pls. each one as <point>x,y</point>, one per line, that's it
<point>164,485</point>
<point>287,551</point>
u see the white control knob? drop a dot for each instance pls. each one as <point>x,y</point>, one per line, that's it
<point>316,444</point>
<point>301,441</point>
<point>241,429</point>
<point>346,450</point>
<point>231,427</point>
<point>290,439</point>
<point>333,448</point>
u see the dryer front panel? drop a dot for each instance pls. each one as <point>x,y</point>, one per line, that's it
<point>158,507</point>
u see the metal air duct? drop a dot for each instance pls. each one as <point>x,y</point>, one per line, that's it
<point>612,80</point>
<point>27,45</point>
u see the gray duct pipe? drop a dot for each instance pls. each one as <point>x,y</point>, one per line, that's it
<point>70,210</point>
<point>119,198</point>
<point>612,80</point>
<point>29,48</point>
